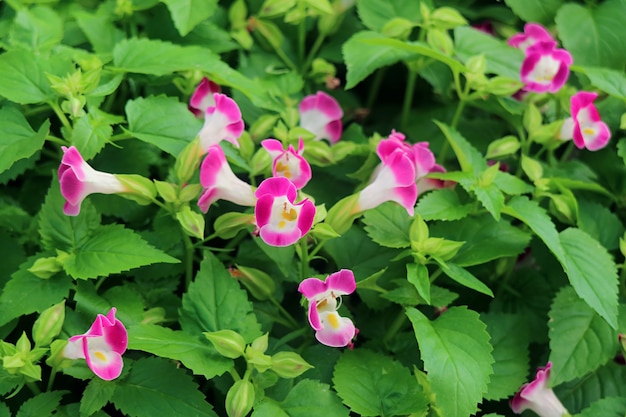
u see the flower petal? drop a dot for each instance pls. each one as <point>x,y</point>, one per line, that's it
<point>337,331</point>
<point>341,282</point>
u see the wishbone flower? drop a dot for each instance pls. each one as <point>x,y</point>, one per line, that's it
<point>221,122</point>
<point>202,97</point>
<point>589,131</point>
<point>330,328</point>
<point>321,115</point>
<point>545,68</point>
<point>102,346</point>
<point>288,163</point>
<point>538,397</point>
<point>280,221</point>
<point>533,34</point>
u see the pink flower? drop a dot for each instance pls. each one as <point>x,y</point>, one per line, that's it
<point>538,397</point>
<point>202,97</point>
<point>330,328</point>
<point>78,179</point>
<point>220,183</point>
<point>221,122</point>
<point>102,346</point>
<point>545,67</point>
<point>589,131</point>
<point>288,163</point>
<point>280,221</point>
<point>321,115</point>
<point>486,26</point>
<point>533,34</point>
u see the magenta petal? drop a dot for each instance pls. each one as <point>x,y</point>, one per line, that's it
<point>202,97</point>
<point>341,282</point>
<point>109,369</point>
<point>334,130</point>
<point>263,209</point>
<point>601,139</point>
<point>277,186</point>
<point>273,146</point>
<point>336,337</point>
<point>406,197</point>
<point>279,238</point>
<point>72,188</point>
<point>211,166</point>
<point>306,216</point>
<point>312,287</point>
<point>314,317</point>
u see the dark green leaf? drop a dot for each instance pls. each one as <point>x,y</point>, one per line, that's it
<point>610,81</point>
<point>41,405</point>
<point>18,139</point>
<point>600,223</point>
<point>388,225</point>
<point>96,395</point>
<point>91,132</point>
<point>606,407</point>
<point>469,158</point>
<point>305,399</point>
<point>607,381</point>
<point>375,14</point>
<point>490,197</point>
<point>442,204</point>
<point>541,11</point>
<point>186,14</point>
<point>464,277</point>
<point>100,29</point>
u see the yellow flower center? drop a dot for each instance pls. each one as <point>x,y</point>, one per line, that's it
<point>100,356</point>
<point>333,320</point>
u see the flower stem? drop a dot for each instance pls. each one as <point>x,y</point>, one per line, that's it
<point>290,320</point>
<point>304,259</point>
<point>56,140</point>
<point>314,49</point>
<point>374,88</point>
<point>33,387</point>
<point>189,250</point>
<point>395,327</point>
<point>408,98</point>
<point>53,374</point>
<point>57,110</point>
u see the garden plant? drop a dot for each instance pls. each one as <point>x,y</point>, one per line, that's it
<point>302,208</point>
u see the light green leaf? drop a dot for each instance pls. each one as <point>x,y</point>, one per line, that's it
<point>372,384</point>
<point>417,274</point>
<point>96,395</point>
<point>41,405</point>
<point>457,357</point>
<point>470,160</point>
<point>610,81</point>
<point>99,30</point>
<point>23,77</point>
<point>156,387</point>
<point>163,122</point>
<point>215,301</point>
<point>91,132</point>
<point>580,340</point>
<point>191,350</point>
<point>442,204</point>
<point>388,225</point>
<point>511,185</point>
<point>18,139</point>
<point>38,28</point>
<point>607,381</point>
<point>305,399</point>
<point>594,35</point>
<point>489,196</point>
<point>186,14</point>
<point>606,407</point>
<point>541,11</point>
<point>464,277</point>
<point>112,249</point>
<point>592,272</point>
<point>376,14</point>
<point>283,256</point>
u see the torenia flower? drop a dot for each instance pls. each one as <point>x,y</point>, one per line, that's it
<point>221,122</point>
<point>330,328</point>
<point>102,346</point>
<point>545,68</point>
<point>220,183</point>
<point>288,163</point>
<point>202,97</point>
<point>533,34</point>
<point>589,131</point>
<point>280,221</point>
<point>78,179</point>
<point>538,397</point>
<point>321,115</point>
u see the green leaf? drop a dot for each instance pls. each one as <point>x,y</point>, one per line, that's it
<point>457,356</point>
<point>540,11</point>
<point>594,35</point>
<point>190,350</point>
<point>8,382</point>
<point>600,223</point>
<point>509,338</point>
<point>23,77</point>
<point>388,225</point>
<point>100,30</point>
<point>282,256</point>
<point>4,410</point>
<point>442,204</point>
<point>215,301</point>
<point>489,196</point>
<point>417,274</point>
<point>592,272</point>
<point>96,395</point>
<point>155,386</point>
<point>38,28</point>
<point>91,132</point>
<point>607,381</point>
<point>112,249</point>
<point>305,399</point>
<point>610,81</point>
<point>511,185</point>
<point>375,14</point>
<point>187,14</point>
<point>469,158</point>
<point>18,139</point>
<point>606,407</point>
<point>464,277</point>
<point>372,384</point>
<point>580,340</point>
<point>502,59</point>
<point>41,405</point>
<point>163,122</point>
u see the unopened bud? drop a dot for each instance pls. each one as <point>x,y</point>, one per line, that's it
<point>289,364</point>
<point>228,225</point>
<point>398,27</point>
<point>138,188</point>
<point>228,343</point>
<point>447,18</point>
<point>188,161</point>
<point>44,268</point>
<point>532,168</point>
<point>418,231</point>
<point>507,145</point>
<point>49,324</point>
<point>260,343</point>
<point>502,86</point>
<point>341,216</point>
<point>166,190</point>
<point>262,126</point>
<point>259,360</point>
<point>192,222</point>
<point>240,398</point>
<point>260,284</point>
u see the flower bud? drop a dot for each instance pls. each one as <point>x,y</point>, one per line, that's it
<point>289,364</point>
<point>228,225</point>
<point>418,231</point>
<point>260,284</point>
<point>398,27</point>
<point>476,64</point>
<point>192,222</point>
<point>44,268</point>
<point>166,190</point>
<point>447,18</point>
<point>502,86</point>
<point>273,8</point>
<point>48,325</point>
<point>507,145</point>
<point>260,343</point>
<point>240,398</point>
<point>56,360</point>
<point>188,161</point>
<point>189,192</point>
<point>323,231</point>
<point>263,125</point>
<point>532,168</point>
<point>440,41</point>
<point>341,216</point>
<point>228,343</point>
<point>138,188</point>
<point>258,359</point>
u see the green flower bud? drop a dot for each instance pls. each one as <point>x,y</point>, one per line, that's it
<point>240,398</point>
<point>398,27</point>
<point>44,268</point>
<point>260,284</point>
<point>192,222</point>
<point>56,360</point>
<point>188,161</point>
<point>341,216</point>
<point>258,359</point>
<point>269,32</point>
<point>289,364</point>
<point>273,8</point>
<point>49,324</point>
<point>447,18</point>
<point>532,168</point>
<point>189,192</point>
<point>489,175</point>
<point>260,343</point>
<point>166,190</point>
<point>440,40</point>
<point>262,126</point>
<point>228,225</point>
<point>418,231</point>
<point>532,118</point>
<point>476,64</point>
<point>507,145</point>
<point>323,231</point>
<point>228,343</point>
<point>139,189</point>
<point>502,86</point>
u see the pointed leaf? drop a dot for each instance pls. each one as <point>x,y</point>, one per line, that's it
<point>388,225</point>
<point>90,134</point>
<point>187,14</point>
<point>18,139</point>
<point>23,77</point>
<point>442,204</point>
<point>541,11</point>
<point>464,277</point>
<point>375,14</point>
<point>96,395</point>
<point>607,381</point>
<point>41,405</point>
<point>469,158</point>
<point>606,407</point>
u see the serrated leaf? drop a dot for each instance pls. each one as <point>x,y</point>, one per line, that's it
<point>155,386</point>
<point>442,204</point>
<point>23,77</point>
<point>100,30</point>
<point>38,28</point>
<point>187,14</point>
<point>375,14</point>
<point>607,381</point>
<point>112,249</point>
<point>511,185</point>
<point>375,385</point>
<point>90,134</point>
<point>8,382</point>
<point>18,139</point>
<point>600,223</point>
<point>606,407</point>
<point>464,277</point>
<point>305,399</point>
<point>388,225</point>
<point>4,410</point>
<point>541,11</point>
<point>580,340</point>
<point>96,395</point>
<point>215,301</point>
<point>163,122</point>
<point>490,197</point>
<point>190,350</point>
<point>592,272</point>
<point>457,356</point>
<point>469,158</point>
<point>41,405</point>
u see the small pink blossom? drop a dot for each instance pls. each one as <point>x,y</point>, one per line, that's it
<point>545,68</point>
<point>221,122</point>
<point>321,115</point>
<point>280,221</point>
<point>589,131</point>
<point>330,328</point>
<point>102,346</point>
<point>538,397</point>
<point>486,26</point>
<point>78,179</point>
<point>533,34</point>
<point>202,97</point>
<point>288,163</point>
<point>221,183</point>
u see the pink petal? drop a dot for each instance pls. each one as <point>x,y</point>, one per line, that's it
<point>105,363</point>
<point>263,209</point>
<point>533,33</point>
<point>321,115</point>
<point>339,336</point>
<point>273,147</point>
<point>306,216</point>
<point>202,97</point>
<point>312,287</point>
<point>221,122</point>
<point>314,317</point>
<point>279,238</point>
<point>341,282</point>
<point>212,165</point>
<point>277,186</point>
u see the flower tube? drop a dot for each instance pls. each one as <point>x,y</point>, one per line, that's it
<point>202,97</point>
<point>538,397</point>
<point>288,163</point>
<point>221,122</point>
<point>321,115</point>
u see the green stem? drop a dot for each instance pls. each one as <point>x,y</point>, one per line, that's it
<point>33,387</point>
<point>375,87</point>
<point>301,43</point>
<point>56,140</point>
<point>313,52</point>
<point>189,250</point>
<point>291,321</point>
<point>291,336</point>
<point>304,259</point>
<point>408,98</point>
<point>53,374</point>
<point>395,327</point>
<point>57,110</point>
<point>121,136</point>
<point>234,374</point>
<point>568,152</point>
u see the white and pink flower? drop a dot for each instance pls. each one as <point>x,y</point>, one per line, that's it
<point>533,34</point>
<point>281,222</point>
<point>330,328</point>
<point>102,346</point>
<point>78,179</point>
<point>545,68</point>
<point>202,97</point>
<point>589,131</point>
<point>288,163</point>
<point>321,115</point>
<point>221,183</point>
<point>538,397</point>
<point>221,122</point>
